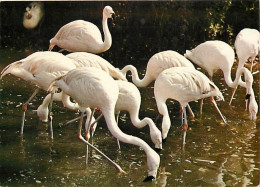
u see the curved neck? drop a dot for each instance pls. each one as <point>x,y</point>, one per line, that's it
<point>136,121</point>
<point>67,103</point>
<point>107,36</point>
<point>135,78</point>
<point>233,84</point>
<point>47,99</point>
<point>117,133</point>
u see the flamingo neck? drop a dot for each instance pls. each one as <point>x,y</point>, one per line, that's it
<point>107,36</point>
<point>233,84</point>
<point>117,133</point>
<point>67,103</point>
<point>135,78</point>
<point>166,122</point>
<point>136,120</point>
<point>42,110</point>
<point>47,99</point>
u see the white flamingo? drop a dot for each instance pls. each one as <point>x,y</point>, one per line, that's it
<point>93,88</point>
<point>184,85</point>
<point>247,44</point>
<point>80,59</point>
<point>253,106</point>
<point>33,15</point>
<point>84,36</point>
<point>39,68</point>
<point>156,64</point>
<point>214,55</point>
<point>83,59</point>
<point>129,99</point>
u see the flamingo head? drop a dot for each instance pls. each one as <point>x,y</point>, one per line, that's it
<point>253,107</point>
<point>156,137</point>
<point>42,113</point>
<point>108,12</point>
<point>153,162</point>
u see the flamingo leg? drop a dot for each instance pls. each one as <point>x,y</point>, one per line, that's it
<point>73,120</point>
<point>92,125</point>
<point>216,106</point>
<point>185,125</point>
<point>61,50</point>
<point>24,108</point>
<point>118,143</point>
<point>252,64</point>
<point>234,91</point>
<point>201,106</point>
<point>87,133</point>
<point>191,112</point>
<point>50,116</point>
<point>118,168</point>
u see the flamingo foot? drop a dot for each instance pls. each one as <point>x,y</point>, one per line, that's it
<point>185,127</point>
<point>181,110</point>
<point>192,117</point>
<point>80,137</point>
<point>24,107</point>
<point>87,135</point>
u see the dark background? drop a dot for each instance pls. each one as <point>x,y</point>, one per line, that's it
<point>141,28</point>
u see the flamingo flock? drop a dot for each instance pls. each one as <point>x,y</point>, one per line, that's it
<point>93,83</point>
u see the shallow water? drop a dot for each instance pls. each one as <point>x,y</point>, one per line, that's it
<point>215,154</point>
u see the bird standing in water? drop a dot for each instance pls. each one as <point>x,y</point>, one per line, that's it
<point>83,36</point>
<point>93,88</point>
<point>215,55</point>
<point>184,85</point>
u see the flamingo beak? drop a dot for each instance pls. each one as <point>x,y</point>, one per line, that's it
<point>149,178</point>
<point>28,15</point>
<point>157,150</point>
<point>164,140</point>
<point>113,16</point>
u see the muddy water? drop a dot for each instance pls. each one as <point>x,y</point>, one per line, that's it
<point>215,154</point>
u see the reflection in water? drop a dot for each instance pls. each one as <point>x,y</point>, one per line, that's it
<point>215,154</point>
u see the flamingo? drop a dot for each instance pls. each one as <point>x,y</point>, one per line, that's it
<point>33,15</point>
<point>247,44</point>
<point>250,97</point>
<point>214,55</point>
<point>79,35</point>
<point>156,64</point>
<point>39,68</point>
<point>83,59</point>
<point>92,87</point>
<point>129,99</point>
<point>184,85</point>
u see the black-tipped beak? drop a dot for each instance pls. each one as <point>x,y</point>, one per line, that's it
<point>149,178</point>
<point>163,141</point>
<point>248,96</point>
<point>113,16</point>
<point>157,150</point>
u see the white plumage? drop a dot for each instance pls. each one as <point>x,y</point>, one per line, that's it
<point>92,87</point>
<point>157,63</point>
<point>184,85</point>
<point>79,35</point>
<point>247,44</point>
<point>214,55</point>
